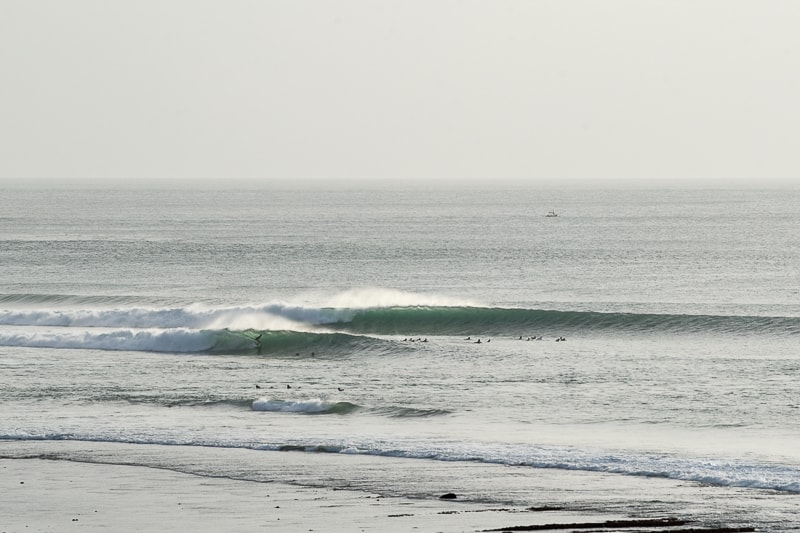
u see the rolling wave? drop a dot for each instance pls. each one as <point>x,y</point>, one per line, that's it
<point>408,412</point>
<point>304,406</point>
<point>311,406</point>
<point>56,321</point>
<point>277,405</point>
<point>183,340</point>
<point>396,320</point>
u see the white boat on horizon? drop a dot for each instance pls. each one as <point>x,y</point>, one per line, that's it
<point>551,214</point>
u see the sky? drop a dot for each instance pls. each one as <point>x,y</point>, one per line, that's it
<point>400,90</point>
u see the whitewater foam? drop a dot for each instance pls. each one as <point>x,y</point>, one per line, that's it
<point>309,406</point>
<point>177,340</point>
<point>717,472</point>
<point>269,316</point>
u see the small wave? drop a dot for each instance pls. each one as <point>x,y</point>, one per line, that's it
<point>408,412</point>
<point>710,471</point>
<point>225,402</point>
<point>314,406</point>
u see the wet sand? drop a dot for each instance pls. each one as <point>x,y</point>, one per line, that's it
<point>66,486</point>
<point>48,495</point>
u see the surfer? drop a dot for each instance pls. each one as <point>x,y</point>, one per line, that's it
<point>257,340</point>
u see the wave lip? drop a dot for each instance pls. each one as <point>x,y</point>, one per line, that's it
<point>314,406</point>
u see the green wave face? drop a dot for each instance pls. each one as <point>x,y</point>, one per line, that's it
<point>296,343</point>
<point>496,321</point>
<point>357,334</point>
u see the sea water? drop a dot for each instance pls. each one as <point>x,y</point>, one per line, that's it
<point>642,335</point>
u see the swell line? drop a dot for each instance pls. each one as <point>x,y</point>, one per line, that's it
<point>471,320</point>
<point>282,328</point>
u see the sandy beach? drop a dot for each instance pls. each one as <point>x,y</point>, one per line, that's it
<point>48,495</point>
<point>66,486</point>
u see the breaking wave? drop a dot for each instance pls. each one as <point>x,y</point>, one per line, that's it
<point>495,321</point>
<point>182,340</point>
<point>117,323</point>
<point>311,406</point>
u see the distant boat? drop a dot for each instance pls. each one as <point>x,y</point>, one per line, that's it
<point>551,214</point>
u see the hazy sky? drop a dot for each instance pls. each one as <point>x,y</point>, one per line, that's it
<point>400,89</point>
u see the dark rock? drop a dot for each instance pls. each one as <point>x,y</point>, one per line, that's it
<point>448,496</point>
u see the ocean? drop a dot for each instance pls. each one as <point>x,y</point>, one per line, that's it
<point>638,352</point>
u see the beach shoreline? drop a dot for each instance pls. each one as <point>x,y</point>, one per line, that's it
<point>55,495</point>
<point>51,486</point>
